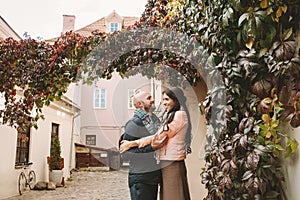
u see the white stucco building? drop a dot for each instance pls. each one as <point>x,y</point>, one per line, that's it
<point>59,120</point>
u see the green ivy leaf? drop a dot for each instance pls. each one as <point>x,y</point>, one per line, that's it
<point>275,124</point>
<point>287,34</point>
<point>242,18</point>
<point>279,147</point>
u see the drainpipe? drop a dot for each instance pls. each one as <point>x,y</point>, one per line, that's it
<point>71,145</point>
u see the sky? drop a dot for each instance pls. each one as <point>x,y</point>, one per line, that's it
<point>43,18</point>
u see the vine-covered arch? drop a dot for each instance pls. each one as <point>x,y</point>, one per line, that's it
<point>151,52</point>
<point>245,162</point>
<point>142,45</point>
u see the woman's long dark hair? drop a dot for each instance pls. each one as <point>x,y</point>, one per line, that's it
<point>177,95</point>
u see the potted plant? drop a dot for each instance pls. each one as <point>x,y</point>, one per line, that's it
<point>56,162</point>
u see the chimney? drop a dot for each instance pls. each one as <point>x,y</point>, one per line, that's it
<point>68,23</point>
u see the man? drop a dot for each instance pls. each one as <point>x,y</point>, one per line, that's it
<point>144,172</point>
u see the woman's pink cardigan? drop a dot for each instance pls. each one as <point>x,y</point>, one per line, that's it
<point>174,149</point>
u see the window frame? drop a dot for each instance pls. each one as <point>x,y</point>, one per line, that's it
<point>23,148</point>
<point>113,27</point>
<point>2,100</point>
<point>130,94</point>
<point>99,106</point>
<point>54,133</point>
<point>92,138</point>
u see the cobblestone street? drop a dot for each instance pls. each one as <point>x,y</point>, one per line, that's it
<point>86,185</point>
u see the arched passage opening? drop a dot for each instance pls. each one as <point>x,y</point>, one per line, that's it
<point>172,58</point>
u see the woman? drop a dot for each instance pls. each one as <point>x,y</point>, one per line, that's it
<point>173,153</point>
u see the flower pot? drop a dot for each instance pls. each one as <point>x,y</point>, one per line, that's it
<point>55,176</point>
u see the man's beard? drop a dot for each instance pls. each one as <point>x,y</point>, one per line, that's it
<point>152,108</point>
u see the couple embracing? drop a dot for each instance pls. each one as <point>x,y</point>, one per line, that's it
<point>157,150</point>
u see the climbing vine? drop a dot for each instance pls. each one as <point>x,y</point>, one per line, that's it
<point>33,74</point>
<point>253,44</point>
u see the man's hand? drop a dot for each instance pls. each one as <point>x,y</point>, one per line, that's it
<point>158,141</point>
<point>125,145</point>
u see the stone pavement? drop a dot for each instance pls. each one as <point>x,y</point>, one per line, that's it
<point>86,185</point>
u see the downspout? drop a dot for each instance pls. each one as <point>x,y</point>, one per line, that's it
<point>71,145</point>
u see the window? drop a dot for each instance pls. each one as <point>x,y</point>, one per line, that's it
<point>22,153</point>
<point>113,27</point>
<point>100,98</point>
<point>90,139</point>
<point>2,101</point>
<point>54,132</point>
<point>130,98</point>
